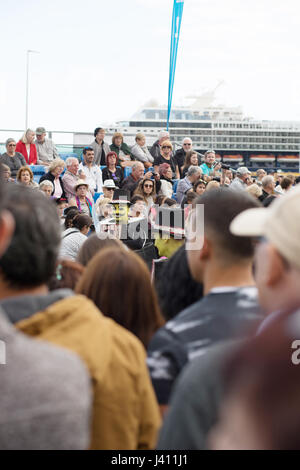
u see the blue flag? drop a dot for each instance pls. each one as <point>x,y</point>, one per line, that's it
<point>176,24</point>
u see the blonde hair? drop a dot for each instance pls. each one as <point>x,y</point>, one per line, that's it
<point>57,162</point>
<point>254,190</point>
<point>117,134</point>
<point>212,185</point>
<point>139,136</point>
<point>101,202</point>
<point>167,142</point>
<point>24,136</point>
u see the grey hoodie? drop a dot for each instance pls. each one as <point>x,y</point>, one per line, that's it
<point>45,394</point>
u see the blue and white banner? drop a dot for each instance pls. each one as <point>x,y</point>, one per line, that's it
<point>176,24</point>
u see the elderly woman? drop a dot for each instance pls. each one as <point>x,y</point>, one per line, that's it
<point>27,148</point>
<point>111,172</point>
<point>165,173</point>
<point>25,177</point>
<point>14,160</point>
<point>140,151</point>
<point>104,208</point>
<point>54,175</point>
<point>81,200</point>
<point>122,150</point>
<point>146,189</point>
<point>46,187</point>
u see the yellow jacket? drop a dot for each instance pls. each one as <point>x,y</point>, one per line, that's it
<point>125,410</point>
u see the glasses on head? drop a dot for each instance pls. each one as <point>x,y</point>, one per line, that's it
<point>148,185</point>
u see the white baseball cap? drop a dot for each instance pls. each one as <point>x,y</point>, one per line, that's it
<point>279,223</point>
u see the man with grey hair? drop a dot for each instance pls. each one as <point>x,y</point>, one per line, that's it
<point>71,177</point>
<point>155,149</point>
<point>193,174</point>
<point>46,149</point>
<point>137,174</point>
<point>180,154</point>
<point>241,179</point>
<point>268,186</point>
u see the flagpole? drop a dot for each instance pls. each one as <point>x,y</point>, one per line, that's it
<point>175,32</point>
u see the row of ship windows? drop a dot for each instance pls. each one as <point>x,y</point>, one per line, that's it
<point>247,140</point>
<point>226,133</point>
<point>231,146</point>
<point>247,126</point>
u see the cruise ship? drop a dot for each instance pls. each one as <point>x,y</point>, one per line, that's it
<point>237,139</point>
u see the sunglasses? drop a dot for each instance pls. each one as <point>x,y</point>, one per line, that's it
<point>166,147</point>
<point>187,144</point>
<point>148,185</point>
<point>12,145</point>
<point>109,189</point>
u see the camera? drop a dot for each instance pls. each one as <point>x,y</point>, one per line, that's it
<point>225,167</point>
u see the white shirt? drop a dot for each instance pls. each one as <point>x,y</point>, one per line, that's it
<point>93,177</point>
<point>72,239</point>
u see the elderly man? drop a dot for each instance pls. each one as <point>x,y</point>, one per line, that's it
<point>131,182</point>
<point>137,174</point>
<point>210,167</point>
<point>268,186</point>
<point>71,177</point>
<point>155,149</point>
<point>140,151</point>
<point>193,174</point>
<point>241,179</point>
<point>46,149</point>
<point>259,176</point>
<point>91,171</point>
<point>179,156</point>
<point>100,147</point>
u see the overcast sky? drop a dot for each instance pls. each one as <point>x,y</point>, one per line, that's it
<point>101,60</point>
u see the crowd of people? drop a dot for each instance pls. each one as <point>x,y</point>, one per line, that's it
<point>163,290</point>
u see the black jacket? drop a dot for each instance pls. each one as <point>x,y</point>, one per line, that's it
<point>48,176</point>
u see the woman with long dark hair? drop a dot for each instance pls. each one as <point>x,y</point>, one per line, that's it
<point>119,284</point>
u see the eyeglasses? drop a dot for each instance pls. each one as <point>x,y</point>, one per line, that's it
<point>148,185</point>
<point>12,145</point>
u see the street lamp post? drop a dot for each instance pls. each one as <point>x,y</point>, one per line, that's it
<point>27,84</point>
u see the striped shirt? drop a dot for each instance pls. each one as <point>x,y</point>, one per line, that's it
<point>225,313</point>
